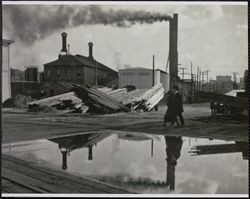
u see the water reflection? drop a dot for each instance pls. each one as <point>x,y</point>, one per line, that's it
<point>134,136</point>
<point>68,144</point>
<point>123,159</point>
<point>221,149</point>
<point>173,151</point>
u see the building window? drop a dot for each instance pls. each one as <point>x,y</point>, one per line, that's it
<point>58,72</point>
<point>49,73</point>
<point>78,73</point>
<point>68,73</point>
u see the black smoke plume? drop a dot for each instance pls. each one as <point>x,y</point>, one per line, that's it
<point>35,22</point>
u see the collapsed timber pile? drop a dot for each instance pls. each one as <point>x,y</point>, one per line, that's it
<point>102,100</point>
<point>151,97</point>
<point>65,103</point>
<point>98,101</point>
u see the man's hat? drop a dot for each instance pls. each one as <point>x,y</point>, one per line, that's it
<point>176,87</point>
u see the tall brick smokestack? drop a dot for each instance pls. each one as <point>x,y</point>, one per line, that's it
<point>90,50</point>
<point>173,50</point>
<point>64,43</point>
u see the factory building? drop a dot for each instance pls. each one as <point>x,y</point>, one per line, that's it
<point>79,69</point>
<point>31,74</point>
<point>225,78</point>
<point>17,75</point>
<point>142,78</point>
<point>6,71</point>
<point>224,84</point>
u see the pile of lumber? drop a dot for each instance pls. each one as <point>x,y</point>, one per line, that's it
<point>102,100</point>
<point>64,103</point>
<point>98,101</point>
<point>151,98</point>
<point>139,99</point>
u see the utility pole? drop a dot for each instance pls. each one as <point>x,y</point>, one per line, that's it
<point>96,79</point>
<point>197,79</point>
<point>167,63</point>
<point>202,81</point>
<point>182,68</point>
<point>153,72</point>
<point>235,79</point>
<point>192,81</point>
<point>206,72</point>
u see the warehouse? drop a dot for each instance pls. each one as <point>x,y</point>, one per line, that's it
<point>142,78</point>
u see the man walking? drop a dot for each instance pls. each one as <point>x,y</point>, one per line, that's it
<point>179,107</point>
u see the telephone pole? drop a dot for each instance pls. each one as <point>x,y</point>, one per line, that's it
<point>197,79</point>
<point>202,81</point>
<point>183,69</point>
<point>192,81</point>
<point>235,79</point>
<point>206,72</point>
<point>153,72</point>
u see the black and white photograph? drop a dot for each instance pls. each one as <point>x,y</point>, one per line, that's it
<point>124,99</point>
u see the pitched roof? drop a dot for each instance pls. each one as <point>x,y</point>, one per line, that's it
<point>93,63</point>
<point>78,60</point>
<point>65,60</point>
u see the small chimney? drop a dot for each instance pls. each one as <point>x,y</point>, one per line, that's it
<point>64,42</point>
<point>90,50</point>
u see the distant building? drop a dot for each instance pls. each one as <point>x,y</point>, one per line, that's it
<point>17,75</point>
<point>31,74</point>
<point>41,76</point>
<point>142,78</point>
<point>223,78</point>
<point>79,69</point>
<point>185,88</point>
<point>56,88</point>
<point>224,84</point>
<point>6,78</point>
<point>246,80</point>
<point>242,83</point>
<point>27,88</point>
<point>209,86</point>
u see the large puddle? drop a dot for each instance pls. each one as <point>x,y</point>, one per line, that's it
<point>145,163</point>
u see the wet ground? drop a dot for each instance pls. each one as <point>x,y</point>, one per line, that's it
<point>144,163</point>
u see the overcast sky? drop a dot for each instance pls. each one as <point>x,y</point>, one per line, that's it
<point>214,37</point>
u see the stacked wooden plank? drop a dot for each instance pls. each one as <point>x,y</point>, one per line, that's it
<point>64,103</point>
<point>118,94</point>
<point>133,96</point>
<point>98,101</point>
<point>104,100</point>
<point>151,98</point>
<point>51,101</point>
<point>104,89</point>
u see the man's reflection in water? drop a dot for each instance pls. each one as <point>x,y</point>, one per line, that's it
<point>173,150</point>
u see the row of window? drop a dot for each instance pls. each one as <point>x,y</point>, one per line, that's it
<point>68,73</point>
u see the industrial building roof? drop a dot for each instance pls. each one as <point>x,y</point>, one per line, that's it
<point>78,60</point>
<point>7,42</point>
<point>142,68</point>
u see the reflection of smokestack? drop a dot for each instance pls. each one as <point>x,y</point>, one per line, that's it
<point>64,163</point>
<point>90,50</point>
<point>90,153</point>
<point>64,42</point>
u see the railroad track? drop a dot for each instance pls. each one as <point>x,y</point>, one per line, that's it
<point>26,186</point>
